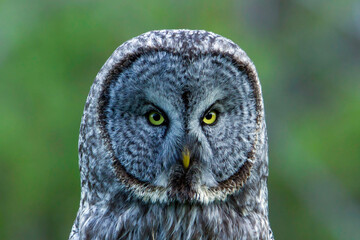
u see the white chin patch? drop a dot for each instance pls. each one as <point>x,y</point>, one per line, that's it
<point>162,179</point>
<point>207,178</point>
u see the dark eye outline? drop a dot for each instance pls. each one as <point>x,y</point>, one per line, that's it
<point>206,113</point>
<point>155,110</point>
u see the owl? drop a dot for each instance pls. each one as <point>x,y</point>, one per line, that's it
<point>173,143</point>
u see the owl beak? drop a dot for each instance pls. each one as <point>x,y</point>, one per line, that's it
<point>186,157</point>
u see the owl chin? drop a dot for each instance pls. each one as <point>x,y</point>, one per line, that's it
<point>194,184</point>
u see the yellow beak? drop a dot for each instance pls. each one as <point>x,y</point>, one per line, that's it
<point>186,157</point>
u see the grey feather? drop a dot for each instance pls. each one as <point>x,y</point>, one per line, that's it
<point>133,183</point>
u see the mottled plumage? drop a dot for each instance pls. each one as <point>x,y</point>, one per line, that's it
<point>134,184</point>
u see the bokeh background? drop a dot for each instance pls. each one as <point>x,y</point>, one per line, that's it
<point>307,53</point>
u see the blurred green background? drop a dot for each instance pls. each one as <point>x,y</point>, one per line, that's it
<point>307,53</point>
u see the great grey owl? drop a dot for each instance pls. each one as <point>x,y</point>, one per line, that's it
<point>173,143</point>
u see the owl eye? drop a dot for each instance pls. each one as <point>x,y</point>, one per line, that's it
<point>210,118</point>
<point>156,118</point>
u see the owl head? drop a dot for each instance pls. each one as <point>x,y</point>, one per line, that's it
<point>174,116</point>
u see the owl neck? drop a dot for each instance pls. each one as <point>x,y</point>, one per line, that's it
<point>241,216</point>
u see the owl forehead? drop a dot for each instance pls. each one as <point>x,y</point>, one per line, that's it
<point>168,78</point>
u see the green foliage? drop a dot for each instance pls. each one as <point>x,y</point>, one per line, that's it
<point>307,55</point>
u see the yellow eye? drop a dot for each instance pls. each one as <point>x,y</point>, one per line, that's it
<point>210,118</point>
<point>155,118</point>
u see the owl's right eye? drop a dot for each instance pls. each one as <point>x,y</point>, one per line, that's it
<point>156,118</point>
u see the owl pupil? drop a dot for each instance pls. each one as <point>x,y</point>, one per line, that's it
<point>208,116</point>
<point>156,117</point>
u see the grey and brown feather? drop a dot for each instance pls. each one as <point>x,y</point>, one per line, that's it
<point>133,183</point>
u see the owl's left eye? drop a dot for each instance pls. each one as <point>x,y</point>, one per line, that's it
<point>210,118</point>
<point>156,118</point>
